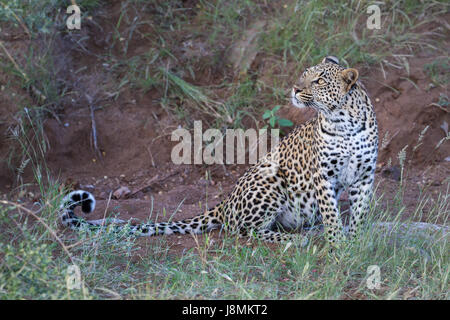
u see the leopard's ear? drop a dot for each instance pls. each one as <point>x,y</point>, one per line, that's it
<point>331,59</point>
<point>349,76</point>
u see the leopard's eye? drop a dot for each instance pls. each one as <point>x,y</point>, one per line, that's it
<point>319,81</point>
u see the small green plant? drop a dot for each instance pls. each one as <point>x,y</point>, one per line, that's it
<point>443,100</point>
<point>274,119</point>
<point>438,70</point>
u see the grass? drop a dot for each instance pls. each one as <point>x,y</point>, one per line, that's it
<point>37,258</point>
<point>300,33</point>
<point>183,89</point>
<point>116,266</point>
<point>36,70</point>
<point>227,18</point>
<point>296,34</point>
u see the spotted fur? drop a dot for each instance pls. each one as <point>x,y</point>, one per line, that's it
<point>300,181</point>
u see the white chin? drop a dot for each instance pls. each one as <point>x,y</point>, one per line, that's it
<point>297,103</point>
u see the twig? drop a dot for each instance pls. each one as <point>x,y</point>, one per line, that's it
<point>94,132</point>
<point>439,106</point>
<point>155,179</point>
<point>94,126</point>
<point>151,157</point>
<point>106,209</point>
<point>146,185</point>
<point>53,233</point>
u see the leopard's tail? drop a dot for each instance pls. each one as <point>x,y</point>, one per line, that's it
<point>76,198</point>
<point>199,224</point>
<point>204,222</point>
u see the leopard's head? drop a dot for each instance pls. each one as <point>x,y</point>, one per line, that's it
<point>323,86</point>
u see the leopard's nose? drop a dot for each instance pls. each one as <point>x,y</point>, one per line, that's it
<point>296,89</point>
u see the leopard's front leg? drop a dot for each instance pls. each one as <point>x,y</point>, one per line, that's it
<point>360,194</point>
<point>328,208</point>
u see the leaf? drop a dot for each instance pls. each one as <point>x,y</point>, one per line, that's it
<point>266,115</point>
<point>285,123</point>
<point>305,269</point>
<point>287,246</point>
<point>272,121</point>
<point>276,108</point>
<point>226,277</point>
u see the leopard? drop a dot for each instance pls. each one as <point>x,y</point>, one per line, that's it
<point>299,181</point>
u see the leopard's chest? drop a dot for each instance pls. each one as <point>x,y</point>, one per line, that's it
<point>341,160</point>
<point>355,157</point>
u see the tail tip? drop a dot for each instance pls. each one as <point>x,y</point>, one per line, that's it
<point>85,199</point>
